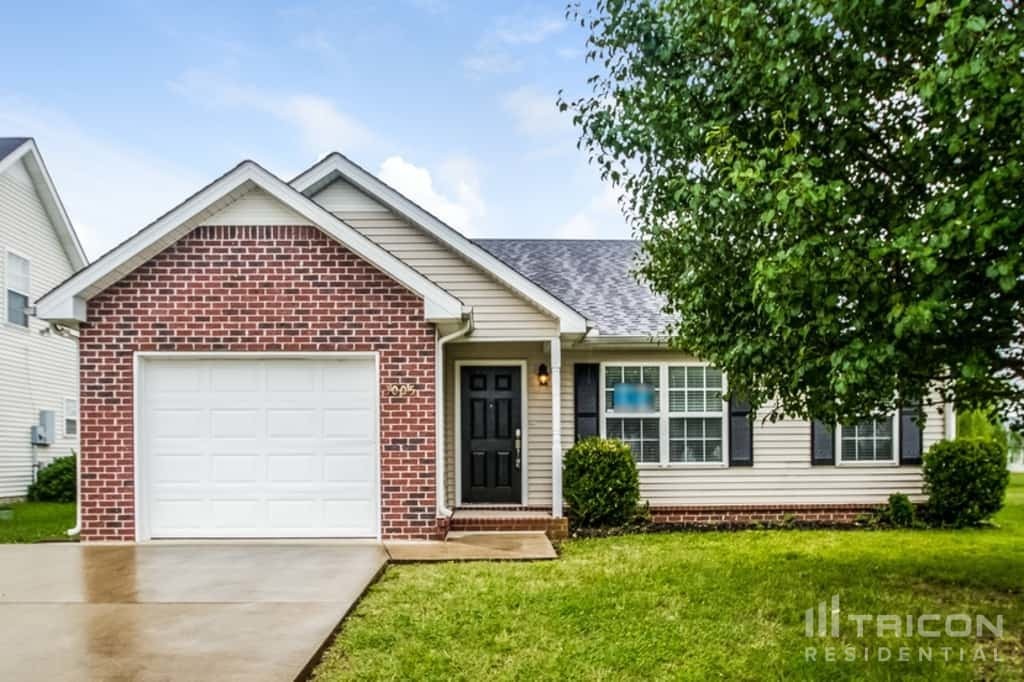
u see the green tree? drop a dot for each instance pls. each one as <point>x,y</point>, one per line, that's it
<point>829,194</point>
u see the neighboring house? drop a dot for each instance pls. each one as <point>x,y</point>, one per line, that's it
<point>38,364</point>
<point>325,358</point>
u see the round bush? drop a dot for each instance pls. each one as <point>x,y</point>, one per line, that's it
<point>600,483</point>
<point>965,480</point>
<point>900,511</point>
<point>55,482</point>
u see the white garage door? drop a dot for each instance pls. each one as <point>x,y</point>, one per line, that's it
<point>241,447</point>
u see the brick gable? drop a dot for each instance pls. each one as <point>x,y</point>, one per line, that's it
<point>256,289</point>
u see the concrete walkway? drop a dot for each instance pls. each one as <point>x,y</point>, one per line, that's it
<point>475,546</point>
<point>200,611</point>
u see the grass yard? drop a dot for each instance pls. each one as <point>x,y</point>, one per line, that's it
<point>36,521</point>
<point>695,606</point>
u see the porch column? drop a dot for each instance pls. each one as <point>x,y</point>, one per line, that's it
<point>556,427</point>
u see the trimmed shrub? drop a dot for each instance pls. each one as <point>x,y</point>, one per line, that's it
<point>965,480</point>
<point>600,483</point>
<point>55,482</point>
<point>899,512</point>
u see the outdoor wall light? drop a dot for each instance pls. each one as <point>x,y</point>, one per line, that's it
<point>542,375</point>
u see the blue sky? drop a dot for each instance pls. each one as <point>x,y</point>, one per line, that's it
<point>135,105</point>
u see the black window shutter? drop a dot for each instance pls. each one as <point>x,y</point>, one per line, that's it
<point>585,404</point>
<point>823,443</point>
<point>911,438</point>
<point>741,434</point>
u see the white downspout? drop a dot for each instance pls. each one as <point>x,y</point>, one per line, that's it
<point>78,479</point>
<point>442,508</point>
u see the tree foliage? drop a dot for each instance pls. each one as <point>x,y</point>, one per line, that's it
<point>829,194</point>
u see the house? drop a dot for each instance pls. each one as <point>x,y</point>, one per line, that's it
<point>38,362</point>
<point>324,358</point>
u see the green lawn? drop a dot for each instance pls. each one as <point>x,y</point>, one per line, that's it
<point>694,606</point>
<point>36,521</point>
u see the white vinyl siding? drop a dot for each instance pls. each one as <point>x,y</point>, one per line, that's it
<point>37,370</point>
<point>498,312</point>
<point>256,207</point>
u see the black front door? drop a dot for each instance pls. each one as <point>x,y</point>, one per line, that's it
<point>491,434</point>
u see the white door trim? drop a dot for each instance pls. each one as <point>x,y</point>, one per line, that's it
<point>141,482</point>
<point>523,414</point>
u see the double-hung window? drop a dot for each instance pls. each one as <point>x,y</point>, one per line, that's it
<point>871,441</point>
<point>666,413</point>
<point>18,285</point>
<point>70,417</point>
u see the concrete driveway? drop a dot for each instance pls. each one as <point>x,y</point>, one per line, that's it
<point>224,611</point>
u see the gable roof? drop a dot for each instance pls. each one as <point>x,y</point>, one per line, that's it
<point>335,165</point>
<point>594,276</point>
<point>69,300</point>
<point>14,149</point>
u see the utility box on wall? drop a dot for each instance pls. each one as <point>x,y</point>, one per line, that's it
<point>44,432</point>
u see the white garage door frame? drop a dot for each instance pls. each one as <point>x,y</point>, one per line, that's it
<point>139,358</point>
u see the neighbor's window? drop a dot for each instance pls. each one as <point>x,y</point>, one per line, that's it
<point>70,417</point>
<point>18,282</point>
<point>870,441</point>
<point>681,423</point>
<point>695,414</point>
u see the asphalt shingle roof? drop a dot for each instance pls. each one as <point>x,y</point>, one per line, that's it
<point>593,276</point>
<point>9,144</point>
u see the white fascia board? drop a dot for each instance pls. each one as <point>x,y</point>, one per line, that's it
<point>51,200</point>
<point>439,305</point>
<point>570,321</point>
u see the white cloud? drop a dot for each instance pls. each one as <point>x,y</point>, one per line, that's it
<point>601,219</point>
<point>317,42</point>
<point>492,63</point>
<point>535,112</point>
<point>517,31</point>
<point>322,127</point>
<point>458,176</point>
<point>109,189</point>
<point>570,53</point>
<point>578,226</point>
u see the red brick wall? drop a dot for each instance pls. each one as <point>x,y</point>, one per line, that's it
<point>749,515</point>
<point>282,288</point>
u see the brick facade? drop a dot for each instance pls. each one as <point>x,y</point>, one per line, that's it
<point>750,515</point>
<point>267,288</point>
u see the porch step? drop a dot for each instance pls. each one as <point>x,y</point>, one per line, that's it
<point>506,519</point>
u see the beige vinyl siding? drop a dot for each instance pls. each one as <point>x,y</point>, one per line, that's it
<point>782,472</point>
<point>256,207</point>
<point>498,312</point>
<point>538,418</point>
<point>37,372</point>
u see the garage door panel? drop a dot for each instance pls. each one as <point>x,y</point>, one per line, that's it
<point>283,378</point>
<point>185,378</point>
<point>350,423</point>
<point>176,423</point>
<point>259,448</point>
<point>291,423</point>
<point>341,468</point>
<point>237,514</point>
<point>348,513</point>
<point>235,423</point>
<point>184,514</point>
<point>177,468</point>
<point>237,468</point>
<point>234,379</point>
<point>293,468</point>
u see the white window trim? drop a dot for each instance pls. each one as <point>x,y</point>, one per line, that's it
<point>26,294</point>
<point>78,418</point>
<point>663,414</point>
<point>894,462</point>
